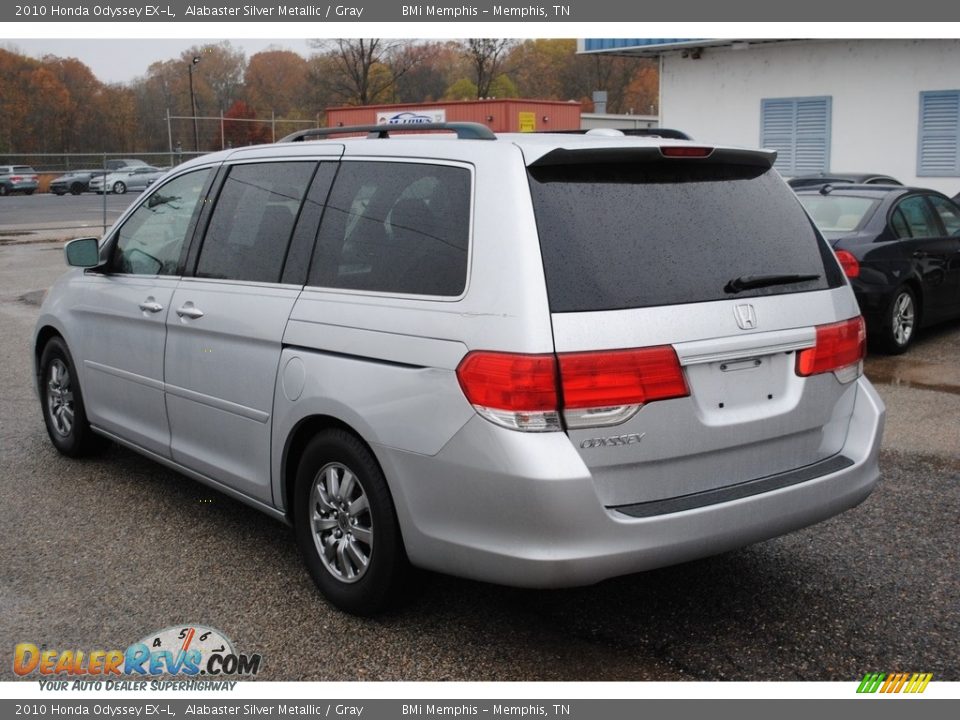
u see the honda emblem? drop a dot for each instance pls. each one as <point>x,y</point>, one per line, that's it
<point>746,316</point>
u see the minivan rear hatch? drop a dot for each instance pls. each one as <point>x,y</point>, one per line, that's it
<point>698,268</point>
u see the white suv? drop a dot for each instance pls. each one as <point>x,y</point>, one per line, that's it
<point>537,360</point>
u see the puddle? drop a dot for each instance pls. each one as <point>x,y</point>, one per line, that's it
<point>914,373</point>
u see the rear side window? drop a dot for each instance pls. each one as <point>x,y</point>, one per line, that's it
<point>617,235</point>
<point>395,227</point>
<point>920,220</point>
<point>250,228</point>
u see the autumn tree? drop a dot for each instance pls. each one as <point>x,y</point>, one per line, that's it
<point>364,70</point>
<point>433,67</point>
<point>277,81</point>
<point>485,57</point>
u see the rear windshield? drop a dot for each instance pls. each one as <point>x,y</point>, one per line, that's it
<point>22,169</point>
<point>616,236</point>
<point>836,213</point>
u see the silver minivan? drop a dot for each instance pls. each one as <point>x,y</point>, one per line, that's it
<point>536,360</point>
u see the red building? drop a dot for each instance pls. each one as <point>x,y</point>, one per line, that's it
<point>508,115</point>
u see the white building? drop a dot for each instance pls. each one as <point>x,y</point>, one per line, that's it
<point>879,106</point>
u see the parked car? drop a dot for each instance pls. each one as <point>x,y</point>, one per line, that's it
<point>900,247</point>
<point>120,163</point>
<point>820,179</point>
<point>74,182</point>
<point>18,178</point>
<point>130,178</point>
<point>535,360</point>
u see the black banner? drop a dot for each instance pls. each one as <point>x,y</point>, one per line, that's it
<point>564,11</point>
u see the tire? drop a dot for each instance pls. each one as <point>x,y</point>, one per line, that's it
<point>4,190</point>
<point>119,188</point>
<point>59,193</point>
<point>347,532</point>
<point>76,189</point>
<point>900,322</point>
<point>62,403</point>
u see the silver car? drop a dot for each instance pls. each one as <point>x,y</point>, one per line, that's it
<point>536,360</point>
<point>136,177</point>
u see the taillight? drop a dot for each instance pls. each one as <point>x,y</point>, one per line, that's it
<point>850,265</point>
<point>15,178</point>
<point>840,349</point>
<point>685,151</point>
<point>597,388</point>
<point>516,391</point>
<point>605,388</point>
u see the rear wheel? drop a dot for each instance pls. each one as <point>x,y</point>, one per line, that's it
<point>76,189</point>
<point>346,525</point>
<point>900,321</point>
<point>4,190</point>
<point>62,401</point>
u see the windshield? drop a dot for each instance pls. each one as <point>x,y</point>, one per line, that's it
<point>837,213</point>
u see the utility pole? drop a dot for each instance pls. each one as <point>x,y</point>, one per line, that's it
<point>193,104</point>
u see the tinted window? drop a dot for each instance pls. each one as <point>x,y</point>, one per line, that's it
<point>150,241</point>
<point>899,224</point>
<point>250,227</point>
<point>395,227</point>
<point>920,220</point>
<point>619,236</point>
<point>949,214</point>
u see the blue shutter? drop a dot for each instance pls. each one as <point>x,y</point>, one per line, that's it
<point>799,130</point>
<point>938,154</point>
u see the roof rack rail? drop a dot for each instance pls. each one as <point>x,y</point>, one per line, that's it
<point>464,131</point>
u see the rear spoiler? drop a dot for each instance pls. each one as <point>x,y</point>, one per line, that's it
<point>652,154</point>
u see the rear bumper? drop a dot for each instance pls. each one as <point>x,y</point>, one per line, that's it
<point>520,509</point>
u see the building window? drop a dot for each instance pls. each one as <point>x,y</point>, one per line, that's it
<point>799,130</point>
<point>938,154</point>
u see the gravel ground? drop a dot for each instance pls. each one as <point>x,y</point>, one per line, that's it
<point>97,553</point>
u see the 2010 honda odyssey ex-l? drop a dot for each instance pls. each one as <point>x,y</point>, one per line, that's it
<point>537,360</point>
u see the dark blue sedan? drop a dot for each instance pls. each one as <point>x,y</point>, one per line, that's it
<point>900,248</point>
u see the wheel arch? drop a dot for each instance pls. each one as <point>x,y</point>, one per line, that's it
<point>44,335</point>
<point>293,448</point>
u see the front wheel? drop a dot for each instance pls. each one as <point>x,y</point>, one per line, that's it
<point>62,401</point>
<point>119,188</point>
<point>346,525</point>
<point>900,322</point>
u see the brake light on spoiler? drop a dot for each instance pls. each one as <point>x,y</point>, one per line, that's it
<point>688,151</point>
<point>588,389</point>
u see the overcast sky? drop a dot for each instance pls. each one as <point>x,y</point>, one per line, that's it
<point>123,60</point>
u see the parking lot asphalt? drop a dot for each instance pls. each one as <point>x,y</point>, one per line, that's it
<point>98,553</point>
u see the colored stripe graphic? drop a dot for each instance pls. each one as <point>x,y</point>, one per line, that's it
<point>913,683</point>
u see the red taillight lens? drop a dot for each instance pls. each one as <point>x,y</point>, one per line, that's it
<point>507,381</point>
<point>685,151</point>
<point>15,178</point>
<point>839,346</point>
<point>599,388</point>
<point>621,377</point>
<point>850,265</point>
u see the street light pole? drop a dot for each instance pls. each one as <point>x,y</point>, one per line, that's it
<point>193,104</point>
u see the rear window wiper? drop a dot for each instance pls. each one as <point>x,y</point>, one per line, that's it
<point>750,282</point>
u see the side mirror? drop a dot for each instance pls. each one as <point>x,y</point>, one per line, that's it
<point>82,252</point>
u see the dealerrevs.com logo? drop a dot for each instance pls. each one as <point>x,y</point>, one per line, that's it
<point>908,683</point>
<point>182,650</point>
